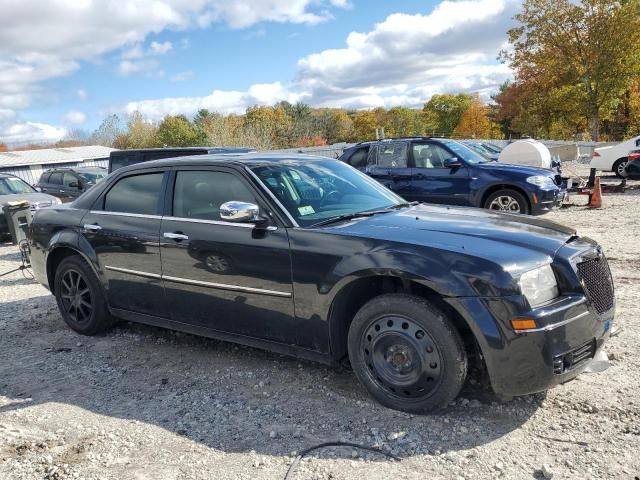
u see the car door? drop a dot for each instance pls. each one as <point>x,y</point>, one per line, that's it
<point>123,229</point>
<point>432,181</point>
<point>388,164</point>
<point>71,187</point>
<point>54,185</point>
<point>225,276</point>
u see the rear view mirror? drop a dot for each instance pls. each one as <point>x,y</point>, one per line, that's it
<point>453,162</point>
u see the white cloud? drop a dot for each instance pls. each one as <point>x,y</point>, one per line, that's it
<point>224,101</point>
<point>76,118</point>
<point>160,48</point>
<point>40,40</point>
<point>403,60</point>
<point>21,132</point>
<point>182,76</point>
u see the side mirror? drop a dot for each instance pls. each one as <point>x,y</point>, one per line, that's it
<point>240,212</point>
<point>453,162</point>
<point>38,189</point>
<point>75,185</point>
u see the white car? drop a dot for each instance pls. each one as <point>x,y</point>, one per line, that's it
<point>614,157</point>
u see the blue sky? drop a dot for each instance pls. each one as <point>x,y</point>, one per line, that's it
<point>66,64</point>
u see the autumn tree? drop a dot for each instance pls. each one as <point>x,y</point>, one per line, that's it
<point>474,122</point>
<point>364,126</point>
<point>443,112</point>
<point>110,129</point>
<point>177,131</point>
<point>585,52</point>
<point>3,147</point>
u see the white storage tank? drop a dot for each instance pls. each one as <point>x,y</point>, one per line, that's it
<point>526,152</point>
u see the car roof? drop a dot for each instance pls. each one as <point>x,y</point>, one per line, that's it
<point>75,169</point>
<point>248,160</point>
<point>398,139</point>
<point>185,149</point>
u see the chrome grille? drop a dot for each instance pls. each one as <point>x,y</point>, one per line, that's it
<point>578,356</point>
<point>597,283</point>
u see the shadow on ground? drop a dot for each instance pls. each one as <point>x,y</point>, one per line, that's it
<point>224,396</point>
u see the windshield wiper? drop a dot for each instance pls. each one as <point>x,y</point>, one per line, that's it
<point>369,213</point>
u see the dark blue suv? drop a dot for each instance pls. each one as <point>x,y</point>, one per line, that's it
<point>440,170</point>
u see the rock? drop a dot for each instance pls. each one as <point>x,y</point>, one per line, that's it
<point>475,404</point>
<point>273,434</point>
<point>546,471</point>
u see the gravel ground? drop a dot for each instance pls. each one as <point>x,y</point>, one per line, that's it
<point>145,403</point>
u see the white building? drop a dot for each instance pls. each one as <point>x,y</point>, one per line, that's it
<point>29,164</point>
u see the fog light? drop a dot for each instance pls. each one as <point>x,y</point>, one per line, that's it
<point>523,324</point>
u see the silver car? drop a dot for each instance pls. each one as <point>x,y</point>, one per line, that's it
<point>14,189</point>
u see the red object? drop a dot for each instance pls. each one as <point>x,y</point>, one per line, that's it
<point>634,156</point>
<point>595,199</point>
<point>596,154</point>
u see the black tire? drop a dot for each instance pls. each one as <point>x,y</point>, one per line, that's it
<point>505,200</point>
<point>80,297</point>
<point>406,353</point>
<point>618,167</point>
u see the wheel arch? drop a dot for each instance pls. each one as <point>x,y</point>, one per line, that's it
<point>351,297</point>
<point>64,244</point>
<point>504,186</point>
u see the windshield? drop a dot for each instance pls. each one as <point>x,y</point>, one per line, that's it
<point>92,177</point>
<point>11,185</point>
<point>491,147</point>
<point>465,153</point>
<point>319,190</point>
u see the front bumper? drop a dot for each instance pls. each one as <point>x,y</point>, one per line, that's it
<point>543,201</point>
<point>570,333</point>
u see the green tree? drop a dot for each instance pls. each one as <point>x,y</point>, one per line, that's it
<point>587,50</point>
<point>443,112</point>
<point>177,131</point>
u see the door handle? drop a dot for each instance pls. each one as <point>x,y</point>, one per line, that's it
<point>92,227</point>
<point>178,237</point>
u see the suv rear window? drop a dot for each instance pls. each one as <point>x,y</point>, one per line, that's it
<point>136,194</point>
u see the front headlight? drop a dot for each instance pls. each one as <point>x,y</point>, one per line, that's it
<point>539,285</point>
<point>540,181</point>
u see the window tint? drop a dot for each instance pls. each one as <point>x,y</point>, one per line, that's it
<point>119,161</point>
<point>45,177</point>
<point>199,194</point>
<point>56,178</point>
<point>68,179</point>
<point>429,155</point>
<point>136,194</point>
<point>359,158</point>
<point>392,155</point>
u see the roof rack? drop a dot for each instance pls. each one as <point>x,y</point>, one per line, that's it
<point>394,138</point>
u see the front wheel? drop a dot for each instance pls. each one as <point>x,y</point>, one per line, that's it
<point>80,297</point>
<point>406,353</point>
<point>508,201</point>
<point>618,167</point>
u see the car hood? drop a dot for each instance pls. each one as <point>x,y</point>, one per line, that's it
<point>33,197</point>
<point>517,242</point>
<point>525,170</point>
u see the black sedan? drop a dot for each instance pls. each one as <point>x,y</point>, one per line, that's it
<point>309,257</point>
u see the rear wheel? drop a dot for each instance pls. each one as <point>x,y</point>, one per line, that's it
<point>508,201</point>
<point>406,353</point>
<point>80,297</point>
<point>618,167</point>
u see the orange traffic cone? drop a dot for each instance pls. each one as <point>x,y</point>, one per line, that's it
<point>595,199</point>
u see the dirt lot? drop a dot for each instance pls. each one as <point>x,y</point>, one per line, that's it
<point>145,403</point>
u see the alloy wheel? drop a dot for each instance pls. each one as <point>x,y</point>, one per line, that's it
<point>505,203</point>
<point>620,168</point>
<point>75,296</point>
<point>401,357</point>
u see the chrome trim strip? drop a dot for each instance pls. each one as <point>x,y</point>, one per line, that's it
<point>210,222</point>
<point>124,214</point>
<point>564,306</point>
<point>134,272</point>
<point>553,326</point>
<point>223,286</point>
<point>273,197</point>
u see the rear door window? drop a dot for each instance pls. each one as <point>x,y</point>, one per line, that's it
<point>139,194</point>
<point>392,155</point>
<point>56,178</point>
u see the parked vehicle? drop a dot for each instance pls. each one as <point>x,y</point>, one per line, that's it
<point>439,170</point>
<point>480,148</point>
<point>124,158</point>
<point>69,183</point>
<point>632,168</point>
<point>14,189</point>
<point>324,263</point>
<point>614,158</point>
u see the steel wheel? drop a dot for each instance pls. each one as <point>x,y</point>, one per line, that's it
<point>505,203</point>
<point>75,296</point>
<point>401,357</point>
